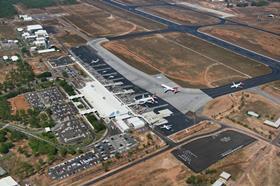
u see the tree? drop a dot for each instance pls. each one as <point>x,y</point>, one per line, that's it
<point>5,147</point>
<point>3,136</point>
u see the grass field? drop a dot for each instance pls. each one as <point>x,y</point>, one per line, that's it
<point>189,61</point>
<point>181,16</point>
<point>261,42</point>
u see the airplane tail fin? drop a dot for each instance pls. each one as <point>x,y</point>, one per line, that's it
<point>175,90</point>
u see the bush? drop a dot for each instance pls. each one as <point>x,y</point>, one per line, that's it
<point>41,147</point>
<point>98,126</point>
<point>3,136</point>
<point>5,147</point>
<point>44,75</point>
<point>260,3</point>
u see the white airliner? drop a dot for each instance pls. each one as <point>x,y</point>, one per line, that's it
<point>236,85</point>
<point>149,99</point>
<point>95,61</point>
<point>167,127</point>
<point>168,88</point>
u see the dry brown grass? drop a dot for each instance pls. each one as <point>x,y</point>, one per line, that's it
<point>97,22</point>
<point>182,16</point>
<point>232,109</point>
<point>252,39</point>
<point>189,61</point>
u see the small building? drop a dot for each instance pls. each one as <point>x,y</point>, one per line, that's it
<point>34,28</point>
<point>219,182</point>
<point>272,124</point>
<point>47,129</point>
<point>136,122</point>
<point>225,175</point>
<point>41,33</point>
<point>8,181</point>
<point>14,58</point>
<point>5,58</point>
<point>19,29</point>
<point>254,114</point>
<point>25,17</point>
<point>40,43</point>
<point>46,51</point>
<point>270,15</point>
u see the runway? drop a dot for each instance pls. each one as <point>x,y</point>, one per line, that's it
<point>193,30</point>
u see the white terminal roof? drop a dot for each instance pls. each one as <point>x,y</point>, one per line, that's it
<point>106,104</point>
<point>34,27</point>
<point>122,125</point>
<point>8,181</point>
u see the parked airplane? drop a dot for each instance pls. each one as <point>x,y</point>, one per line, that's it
<point>148,99</point>
<point>236,85</point>
<point>95,61</point>
<point>167,127</point>
<point>168,88</point>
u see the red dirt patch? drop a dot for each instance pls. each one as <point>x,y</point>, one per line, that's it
<point>18,103</point>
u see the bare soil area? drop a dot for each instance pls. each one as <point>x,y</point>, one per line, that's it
<point>189,61</point>
<point>232,109</point>
<point>18,103</point>
<point>182,16</point>
<point>37,65</point>
<point>259,41</point>
<point>163,170</point>
<point>265,171</point>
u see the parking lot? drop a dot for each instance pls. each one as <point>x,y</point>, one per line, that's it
<point>61,61</point>
<point>74,165</point>
<point>69,128</point>
<point>128,92</point>
<point>103,151</point>
<point>201,153</point>
<point>72,130</point>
